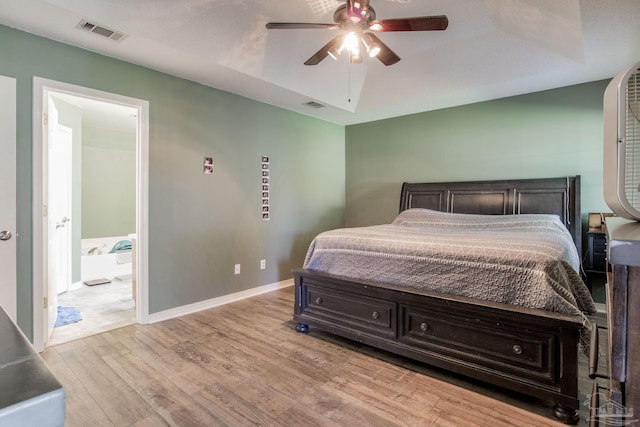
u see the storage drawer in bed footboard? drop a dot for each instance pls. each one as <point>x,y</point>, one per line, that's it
<point>342,309</point>
<point>528,351</point>
<point>482,342</point>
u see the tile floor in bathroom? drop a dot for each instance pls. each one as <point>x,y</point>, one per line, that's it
<point>103,308</point>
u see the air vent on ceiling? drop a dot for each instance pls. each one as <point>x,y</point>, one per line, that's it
<point>314,104</point>
<point>100,30</point>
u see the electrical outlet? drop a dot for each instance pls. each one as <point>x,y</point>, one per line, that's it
<point>237,269</point>
<point>263,264</point>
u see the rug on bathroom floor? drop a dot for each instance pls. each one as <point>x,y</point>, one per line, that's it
<point>67,315</point>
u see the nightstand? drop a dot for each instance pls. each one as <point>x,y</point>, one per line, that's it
<point>595,264</point>
<point>597,251</point>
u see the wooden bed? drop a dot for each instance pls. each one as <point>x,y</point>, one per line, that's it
<point>530,351</point>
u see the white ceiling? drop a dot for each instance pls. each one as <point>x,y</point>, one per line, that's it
<point>492,48</point>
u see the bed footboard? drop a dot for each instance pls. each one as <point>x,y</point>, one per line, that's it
<point>533,352</point>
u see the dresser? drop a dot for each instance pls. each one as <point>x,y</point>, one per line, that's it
<point>623,322</point>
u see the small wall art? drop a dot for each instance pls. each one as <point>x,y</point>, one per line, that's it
<point>207,166</point>
<point>266,190</point>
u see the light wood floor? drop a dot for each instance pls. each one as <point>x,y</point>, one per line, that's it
<point>244,364</point>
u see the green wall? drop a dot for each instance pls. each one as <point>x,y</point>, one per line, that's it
<point>544,134</point>
<point>108,182</point>
<point>199,225</point>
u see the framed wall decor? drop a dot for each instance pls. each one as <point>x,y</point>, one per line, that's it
<point>266,190</point>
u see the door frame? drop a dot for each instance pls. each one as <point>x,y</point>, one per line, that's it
<point>41,90</point>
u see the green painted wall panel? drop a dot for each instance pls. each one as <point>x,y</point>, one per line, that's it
<point>199,225</point>
<point>544,134</point>
<point>108,182</point>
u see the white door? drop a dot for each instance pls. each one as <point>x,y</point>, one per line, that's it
<point>8,238</point>
<point>60,167</point>
<point>58,172</point>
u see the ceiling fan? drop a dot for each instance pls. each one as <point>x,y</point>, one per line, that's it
<point>358,21</point>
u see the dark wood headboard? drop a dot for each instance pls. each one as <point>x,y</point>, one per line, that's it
<point>559,196</point>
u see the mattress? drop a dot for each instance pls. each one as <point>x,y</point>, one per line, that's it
<point>525,260</point>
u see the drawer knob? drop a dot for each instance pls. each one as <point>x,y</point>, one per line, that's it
<point>424,326</point>
<point>318,300</point>
<point>375,314</point>
<point>517,349</point>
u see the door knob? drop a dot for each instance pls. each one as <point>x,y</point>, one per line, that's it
<point>5,235</point>
<point>62,222</point>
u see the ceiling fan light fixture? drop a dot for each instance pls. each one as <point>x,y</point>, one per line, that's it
<point>334,52</point>
<point>351,42</point>
<point>355,57</point>
<point>373,48</point>
<point>374,51</point>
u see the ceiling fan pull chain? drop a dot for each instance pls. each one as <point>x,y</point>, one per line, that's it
<point>349,83</point>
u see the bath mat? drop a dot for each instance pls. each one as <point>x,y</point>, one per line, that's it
<point>67,315</point>
<point>97,282</point>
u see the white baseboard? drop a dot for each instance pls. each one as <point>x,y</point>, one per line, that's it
<point>215,302</point>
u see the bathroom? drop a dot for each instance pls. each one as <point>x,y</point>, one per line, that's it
<point>102,220</point>
<point>108,203</point>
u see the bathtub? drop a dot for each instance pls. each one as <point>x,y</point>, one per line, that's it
<point>97,263</point>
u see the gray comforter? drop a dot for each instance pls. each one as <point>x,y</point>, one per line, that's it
<point>525,260</point>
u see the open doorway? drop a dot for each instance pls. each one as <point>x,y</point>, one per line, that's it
<point>90,241</point>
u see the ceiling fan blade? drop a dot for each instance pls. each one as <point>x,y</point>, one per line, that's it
<point>421,23</point>
<point>324,51</point>
<point>300,26</point>
<point>386,55</point>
